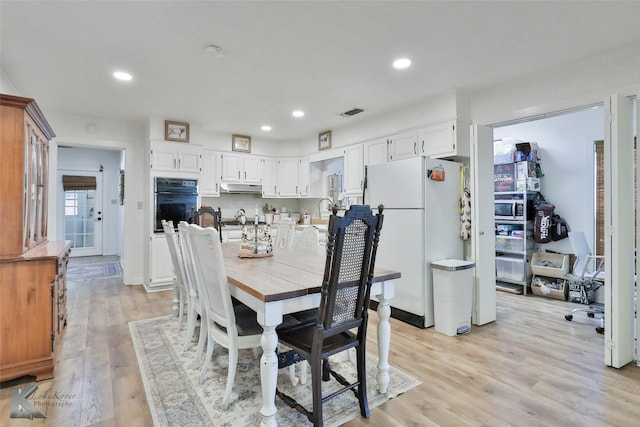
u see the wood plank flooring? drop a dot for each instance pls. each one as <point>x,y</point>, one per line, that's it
<point>530,368</point>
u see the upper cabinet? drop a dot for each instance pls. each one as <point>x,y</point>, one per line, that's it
<point>209,184</point>
<point>287,177</point>
<point>303,177</point>
<point>241,168</point>
<point>353,170</point>
<point>449,139</point>
<point>403,146</point>
<point>25,153</point>
<point>376,151</point>
<point>269,183</point>
<point>170,157</point>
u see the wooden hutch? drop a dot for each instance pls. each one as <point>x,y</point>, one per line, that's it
<point>32,269</point>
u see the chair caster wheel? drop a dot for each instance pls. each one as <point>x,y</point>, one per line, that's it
<point>590,314</point>
<point>600,330</point>
<point>569,317</point>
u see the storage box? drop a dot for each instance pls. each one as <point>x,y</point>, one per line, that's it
<point>504,151</point>
<point>512,269</point>
<point>504,229</point>
<point>550,264</point>
<point>530,149</point>
<point>551,287</point>
<point>583,291</point>
<point>528,184</point>
<point>504,177</point>
<point>512,243</point>
<point>526,170</point>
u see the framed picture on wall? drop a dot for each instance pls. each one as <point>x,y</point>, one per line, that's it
<point>241,143</point>
<point>324,140</point>
<point>176,131</point>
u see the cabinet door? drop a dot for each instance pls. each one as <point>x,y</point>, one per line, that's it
<point>269,177</point>
<point>161,265</point>
<point>353,170</point>
<point>252,173</point>
<point>230,165</point>
<point>303,177</point>
<point>209,175</point>
<point>287,177</point>
<point>188,162</point>
<point>163,160</point>
<point>445,140</point>
<point>403,146</point>
<point>375,152</point>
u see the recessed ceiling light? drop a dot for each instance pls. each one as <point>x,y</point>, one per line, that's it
<point>121,75</point>
<point>266,128</point>
<point>298,113</point>
<point>401,63</point>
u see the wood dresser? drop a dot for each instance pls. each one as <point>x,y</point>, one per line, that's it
<point>32,269</point>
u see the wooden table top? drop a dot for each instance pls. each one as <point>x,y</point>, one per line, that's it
<point>286,274</point>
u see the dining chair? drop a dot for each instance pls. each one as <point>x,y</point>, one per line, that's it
<point>284,233</point>
<point>195,307</point>
<point>179,282</point>
<point>308,240</point>
<point>344,302</point>
<point>233,326</point>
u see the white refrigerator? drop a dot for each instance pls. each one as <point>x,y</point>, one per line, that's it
<point>421,225</point>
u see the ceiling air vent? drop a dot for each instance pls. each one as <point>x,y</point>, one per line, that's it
<point>351,112</point>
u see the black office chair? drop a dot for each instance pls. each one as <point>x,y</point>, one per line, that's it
<point>352,242</point>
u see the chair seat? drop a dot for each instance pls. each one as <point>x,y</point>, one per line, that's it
<point>300,338</point>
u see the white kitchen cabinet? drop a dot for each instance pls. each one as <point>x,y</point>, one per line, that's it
<point>303,177</point>
<point>353,170</point>
<point>165,157</point>
<point>376,151</point>
<point>209,185</point>
<point>449,139</point>
<point>269,182</point>
<point>403,146</point>
<point>239,168</point>
<point>287,177</point>
<point>160,265</point>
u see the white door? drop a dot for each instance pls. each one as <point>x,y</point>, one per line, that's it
<point>82,212</point>
<point>619,241</point>
<point>483,244</point>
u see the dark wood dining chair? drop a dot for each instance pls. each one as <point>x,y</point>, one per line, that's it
<point>207,217</point>
<point>351,251</point>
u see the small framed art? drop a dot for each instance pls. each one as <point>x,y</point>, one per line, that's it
<point>241,143</point>
<point>324,140</point>
<point>176,131</point>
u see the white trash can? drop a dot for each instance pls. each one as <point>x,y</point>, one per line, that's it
<point>452,295</point>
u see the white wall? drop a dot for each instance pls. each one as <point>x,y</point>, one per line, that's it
<point>94,132</point>
<point>566,150</point>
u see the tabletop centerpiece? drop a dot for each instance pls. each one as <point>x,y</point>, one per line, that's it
<point>256,240</point>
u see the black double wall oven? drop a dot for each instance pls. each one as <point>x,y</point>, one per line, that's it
<point>176,199</point>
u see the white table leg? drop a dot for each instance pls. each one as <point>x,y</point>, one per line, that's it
<point>384,340</point>
<point>268,376</point>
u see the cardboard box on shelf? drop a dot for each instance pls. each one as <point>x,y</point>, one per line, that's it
<point>525,170</point>
<point>528,184</point>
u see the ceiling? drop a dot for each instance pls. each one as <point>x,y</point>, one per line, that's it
<point>322,57</point>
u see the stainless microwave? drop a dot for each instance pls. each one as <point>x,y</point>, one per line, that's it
<point>509,209</point>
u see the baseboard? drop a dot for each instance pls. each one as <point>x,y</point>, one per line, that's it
<point>404,316</point>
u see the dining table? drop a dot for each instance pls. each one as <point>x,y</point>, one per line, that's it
<point>286,282</point>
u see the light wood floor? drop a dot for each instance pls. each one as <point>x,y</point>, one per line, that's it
<point>530,368</point>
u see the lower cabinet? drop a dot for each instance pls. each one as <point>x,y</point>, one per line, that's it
<point>33,310</point>
<point>160,265</point>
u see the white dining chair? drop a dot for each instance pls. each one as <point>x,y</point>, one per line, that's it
<point>308,240</point>
<point>285,233</point>
<point>179,282</point>
<point>233,326</point>
<point>195,307</point>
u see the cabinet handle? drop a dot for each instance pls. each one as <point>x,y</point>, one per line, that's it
<point>178,163</point>
<point>174,163</point>
<point>423,145</point>
<point>245,175</point>
<point>296,189</point>
<point>216,187</point>
<point>415,148</point>
<point>238,174</point>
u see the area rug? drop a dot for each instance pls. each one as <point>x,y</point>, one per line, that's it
<point>177,399</point>
<point>102,270</point>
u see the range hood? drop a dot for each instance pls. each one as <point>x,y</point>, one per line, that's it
<point>232,188</point>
